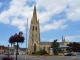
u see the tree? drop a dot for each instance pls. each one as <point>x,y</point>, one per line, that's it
<point>75,46</point>
<point>55,46</point>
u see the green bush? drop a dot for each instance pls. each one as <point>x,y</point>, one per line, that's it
<point>38,53</point>
<point>42,52</point>
<point>33,53</point>
<point>55,52</point>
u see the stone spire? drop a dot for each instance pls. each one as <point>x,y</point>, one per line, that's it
<point>64,40</point>
<point>34,18</point>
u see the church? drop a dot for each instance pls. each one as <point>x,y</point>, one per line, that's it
<point>34,43</point>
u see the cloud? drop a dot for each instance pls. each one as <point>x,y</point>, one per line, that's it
<point>19,23</point>
<point>51,40</point>
<point>17,14</point>
<point>19,11</point>
<point>73,12</point>
<point>71,7</point>
<point>52,7</point>
<point>72,37</point>
<point>1,4</point>
<point>43,39</point>
<point>60,24</point>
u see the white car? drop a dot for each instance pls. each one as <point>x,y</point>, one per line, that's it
<point>5,53</point>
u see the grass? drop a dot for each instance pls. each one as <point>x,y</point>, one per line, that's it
<point>48,55</point>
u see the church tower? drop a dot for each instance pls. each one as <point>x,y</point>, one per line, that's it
<point>34,35</point>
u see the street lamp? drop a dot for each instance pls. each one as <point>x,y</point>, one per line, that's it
<point>20,35</point>
<point>17,38</point>
<point>8,50</point>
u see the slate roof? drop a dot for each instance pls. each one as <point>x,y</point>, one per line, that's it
<point>48,43</point>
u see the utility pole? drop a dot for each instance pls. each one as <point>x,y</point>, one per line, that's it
<point>26,34</point>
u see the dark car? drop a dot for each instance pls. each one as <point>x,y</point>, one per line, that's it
<point>68,54</point>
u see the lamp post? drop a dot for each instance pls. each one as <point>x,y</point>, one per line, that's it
<point>8,50</point>
<point>20,35</point>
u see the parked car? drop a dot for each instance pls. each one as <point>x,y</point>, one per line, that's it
<point>68,54</point>
<point>5,53</point>
<point>16,53</point>
<point>74,54</point>
<point>78,53</point>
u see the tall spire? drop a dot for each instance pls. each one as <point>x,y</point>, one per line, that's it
<point>34,18</point>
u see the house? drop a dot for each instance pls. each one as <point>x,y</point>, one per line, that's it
<point>3,49</point>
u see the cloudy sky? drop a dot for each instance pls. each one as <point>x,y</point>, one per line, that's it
<point>56,17</point>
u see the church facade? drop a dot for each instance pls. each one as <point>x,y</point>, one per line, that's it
<point>34,43</point>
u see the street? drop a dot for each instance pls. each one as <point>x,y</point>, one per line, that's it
<point>23,57</point>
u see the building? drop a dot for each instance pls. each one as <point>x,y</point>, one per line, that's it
<point>3,49</point>
<point>20,50</point>
<point>34,43</point>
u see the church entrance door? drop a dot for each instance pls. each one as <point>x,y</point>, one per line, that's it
<point>34,47</point>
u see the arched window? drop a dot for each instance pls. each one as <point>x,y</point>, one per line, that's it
<point>34,47</point>
<point>36,35</point>
<point>36,28</point>
<point>33,27</point>
<point>44,48</point>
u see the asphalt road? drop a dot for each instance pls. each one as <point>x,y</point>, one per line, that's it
<point>23,57</point>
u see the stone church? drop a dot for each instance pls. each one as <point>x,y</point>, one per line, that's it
<point>34,43</point>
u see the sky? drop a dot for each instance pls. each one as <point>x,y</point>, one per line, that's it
<point>57,18</point>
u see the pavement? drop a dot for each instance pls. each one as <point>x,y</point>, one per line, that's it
<point>24,57</point>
